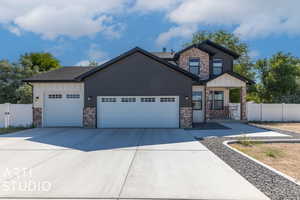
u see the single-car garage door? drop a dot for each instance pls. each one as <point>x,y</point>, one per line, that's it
<point>63,109</point>
<point>138,112</point>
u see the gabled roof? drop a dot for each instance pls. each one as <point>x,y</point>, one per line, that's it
<point>202,47</point>
<point>199,46</point>
<point>236,75</point>
<point>64,74</point>
<point>224,49</point>
<point>144,52</point>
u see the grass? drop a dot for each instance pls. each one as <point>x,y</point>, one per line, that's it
<point>12,129</point>
<point>291,126</point>
<point>284,157</point>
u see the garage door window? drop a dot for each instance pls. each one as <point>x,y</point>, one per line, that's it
<point>73,96</point>
<point>147,99</point>
<point>108,100</point>
<point>167,99</point>
<point>128,100</point>
<point>54,96</point>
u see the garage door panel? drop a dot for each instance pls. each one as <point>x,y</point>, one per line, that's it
<point>64,109</point>
<point>138,114</point>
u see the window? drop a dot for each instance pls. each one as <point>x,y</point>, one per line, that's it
<point>73,96</point>
<point>197,100</point>
<point>216,99</point>
<point>194,65</point>
<point>217,66</point>
<point>108,99</point>
<point>147,99</point>
<point>54,96</point>
<point>128,100</point>
<point>167,99</point>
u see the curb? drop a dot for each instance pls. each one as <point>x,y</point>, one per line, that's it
<point>226,143</point>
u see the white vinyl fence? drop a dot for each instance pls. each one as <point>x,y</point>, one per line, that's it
<point>15,115</point>
<point>273,112</point>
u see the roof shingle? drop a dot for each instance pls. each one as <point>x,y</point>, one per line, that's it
<point>61,74</point>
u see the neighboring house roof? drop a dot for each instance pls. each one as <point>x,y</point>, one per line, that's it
<point>64,74</point>
<point>236,75</point>
<point>164,55</point>
<point>144,52</point>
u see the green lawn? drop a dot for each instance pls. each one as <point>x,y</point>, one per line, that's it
<point>12,129</point>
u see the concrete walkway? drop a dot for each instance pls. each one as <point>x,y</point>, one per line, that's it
<point>236,130</point>
<point>115,164</point>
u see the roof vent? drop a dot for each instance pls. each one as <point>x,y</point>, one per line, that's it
<point>164,49</point>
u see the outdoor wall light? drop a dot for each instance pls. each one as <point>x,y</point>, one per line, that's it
<point>186,98</point>
<point>89,98</point>
<point>37,98</point>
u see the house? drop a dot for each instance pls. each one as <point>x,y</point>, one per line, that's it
<point>139,89</point>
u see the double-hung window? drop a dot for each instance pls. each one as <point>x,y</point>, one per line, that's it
<point>194,65</point>
<point>197,100</point>
<point>216,99</point>
<point>217,66</point>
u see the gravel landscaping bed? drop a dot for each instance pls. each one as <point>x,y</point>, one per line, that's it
<point>271,184</point>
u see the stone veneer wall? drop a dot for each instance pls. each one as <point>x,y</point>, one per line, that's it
<point>89,117</point>
<point>186,117</point>
<point>37,117</point>
<point>243,94</point>
<point>195,53</point>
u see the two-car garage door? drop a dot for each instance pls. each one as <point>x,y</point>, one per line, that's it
<point>138,112</point>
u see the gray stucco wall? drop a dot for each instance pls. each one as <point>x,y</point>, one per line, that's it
<point>137,75</point>
<point>227,59</point>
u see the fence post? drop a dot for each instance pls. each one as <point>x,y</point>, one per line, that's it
<point>261,105</point>
<point>6,115</point>
<point>282,112</point>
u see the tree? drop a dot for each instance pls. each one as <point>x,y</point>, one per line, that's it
<point>11,76</point>
<point>42,61</point>
<point>278,77</point>
<point>243,65</point>
<point>12,89</point>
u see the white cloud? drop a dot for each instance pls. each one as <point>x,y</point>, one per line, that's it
<point>249,18</point>
<point>254,54</point>
<point>180,31</point>
<point>55,18</point>
<point>154,5</point>
<point>94,53</point>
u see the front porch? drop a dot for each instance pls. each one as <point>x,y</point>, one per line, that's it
<point>219,108</point>
<point>211,102</point>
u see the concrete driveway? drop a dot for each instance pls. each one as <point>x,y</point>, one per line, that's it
<point>115,164</point>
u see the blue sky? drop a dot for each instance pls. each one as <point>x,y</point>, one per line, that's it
<point>100,30</point>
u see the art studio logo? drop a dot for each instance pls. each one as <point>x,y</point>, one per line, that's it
<point>22,179</point>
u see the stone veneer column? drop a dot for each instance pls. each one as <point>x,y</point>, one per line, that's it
<point>186,117</point>
<point>89,117</point>
<point>243,101</point>
<point>37,117</point>
<point>207,104</point>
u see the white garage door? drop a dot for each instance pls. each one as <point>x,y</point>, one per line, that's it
<point>138,112</point>
<point>63,109</point>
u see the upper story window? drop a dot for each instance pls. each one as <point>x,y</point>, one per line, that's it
<point>194,65</point>
<point>217,66</point>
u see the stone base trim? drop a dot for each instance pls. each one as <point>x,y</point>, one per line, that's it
<point>37,117</point>
<point>89,117</point>
<point>186,117</point>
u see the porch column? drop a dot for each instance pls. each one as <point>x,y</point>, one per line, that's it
<point>243,93</point>
<point>207,104</point>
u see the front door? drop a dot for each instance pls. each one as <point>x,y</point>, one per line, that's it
<point>198,109</point>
